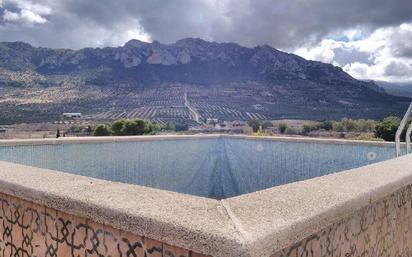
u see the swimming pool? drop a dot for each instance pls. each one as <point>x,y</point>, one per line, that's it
<point>211,166</point>
<point>203,196</point>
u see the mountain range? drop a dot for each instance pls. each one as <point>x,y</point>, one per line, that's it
<point>174,82</point>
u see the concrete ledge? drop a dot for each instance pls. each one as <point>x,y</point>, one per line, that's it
<point>256,224</point>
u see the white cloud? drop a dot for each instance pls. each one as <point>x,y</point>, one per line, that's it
<point>323,52</point>
<point>139,34</point>
<point>24,16</point>
<point>31,17</point>
<point>386,54</point>
<point>11,16</point>
<point>28,13</point>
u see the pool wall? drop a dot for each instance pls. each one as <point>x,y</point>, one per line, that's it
<point>367,211</point>
<point>29,229</point>
<point>383,228</point>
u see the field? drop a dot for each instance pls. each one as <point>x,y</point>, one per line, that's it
<point>165,103</point>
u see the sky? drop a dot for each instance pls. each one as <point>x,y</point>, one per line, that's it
<point>369,39</point>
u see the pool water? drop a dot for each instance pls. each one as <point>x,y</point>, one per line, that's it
<point>210,167</point>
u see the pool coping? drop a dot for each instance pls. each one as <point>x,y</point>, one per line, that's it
<point>286,214</point>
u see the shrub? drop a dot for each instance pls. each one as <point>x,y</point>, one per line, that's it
<point>75,129</point>
<point>133,127</point>
<point>291,131</point>
<point>127,127</point>
<point>326,125</point>
<point>101,130</point>
<point>348,125</point>
<point>283,127</point>
<point>247,130</point>
<point>260,132</point>
<point>387,128</point>
<point>117,127</point>
<point>307,128</point>
<point>152,128</point>
<point>366,125</point>
<point>254,124</point>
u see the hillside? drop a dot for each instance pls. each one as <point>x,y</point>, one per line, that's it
<point>151,80</point>
<point>397,89</point>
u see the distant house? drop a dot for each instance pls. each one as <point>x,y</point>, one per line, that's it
<point>72,115</point>
<point>211,121</point>
<point>238,123</point>
<point>3,130</point>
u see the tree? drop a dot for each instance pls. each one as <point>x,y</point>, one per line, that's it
<point>141,126</point>
<point>117,127</point>
<point>101,130</point>
<point>326,125</point>
<point>387,128</point>
<point>348,125</point>
<point>152,128</point>
<point>254,124</point>
<point>282,127</point>
<point>307,128</point>
<point>133,127</point>
<point>58,133</point>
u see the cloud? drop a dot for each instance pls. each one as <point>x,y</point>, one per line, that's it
<point>24,16</point>
<point>283,24</point>
<point>323,52</point>
<point>24,12</point>
<point>385,54</point>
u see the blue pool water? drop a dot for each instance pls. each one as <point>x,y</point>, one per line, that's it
<point>210,167</point>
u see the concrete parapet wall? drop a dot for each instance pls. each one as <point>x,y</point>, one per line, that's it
<point>29,229</point>
<point>383,228</point>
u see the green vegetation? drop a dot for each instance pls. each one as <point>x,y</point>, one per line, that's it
<point>127,128</point>
<point>307,128</point>
<point>102,130</point>
<point>257,125</point>
<point>254,124</point>
<point>326,125</point>
<point>349,125</point>
<point>344,125</point>
<point>283,127</point>
<point>361,129</point>
<point>79,130</point>
<point>388,127</point>
<point>117,127</point>
<point>178,127</point>
<point>247,130</point>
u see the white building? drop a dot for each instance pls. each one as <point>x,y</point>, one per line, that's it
<point>72,115</point>
<point>211,121</point>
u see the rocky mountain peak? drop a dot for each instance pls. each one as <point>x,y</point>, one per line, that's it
<point>135,43</point>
